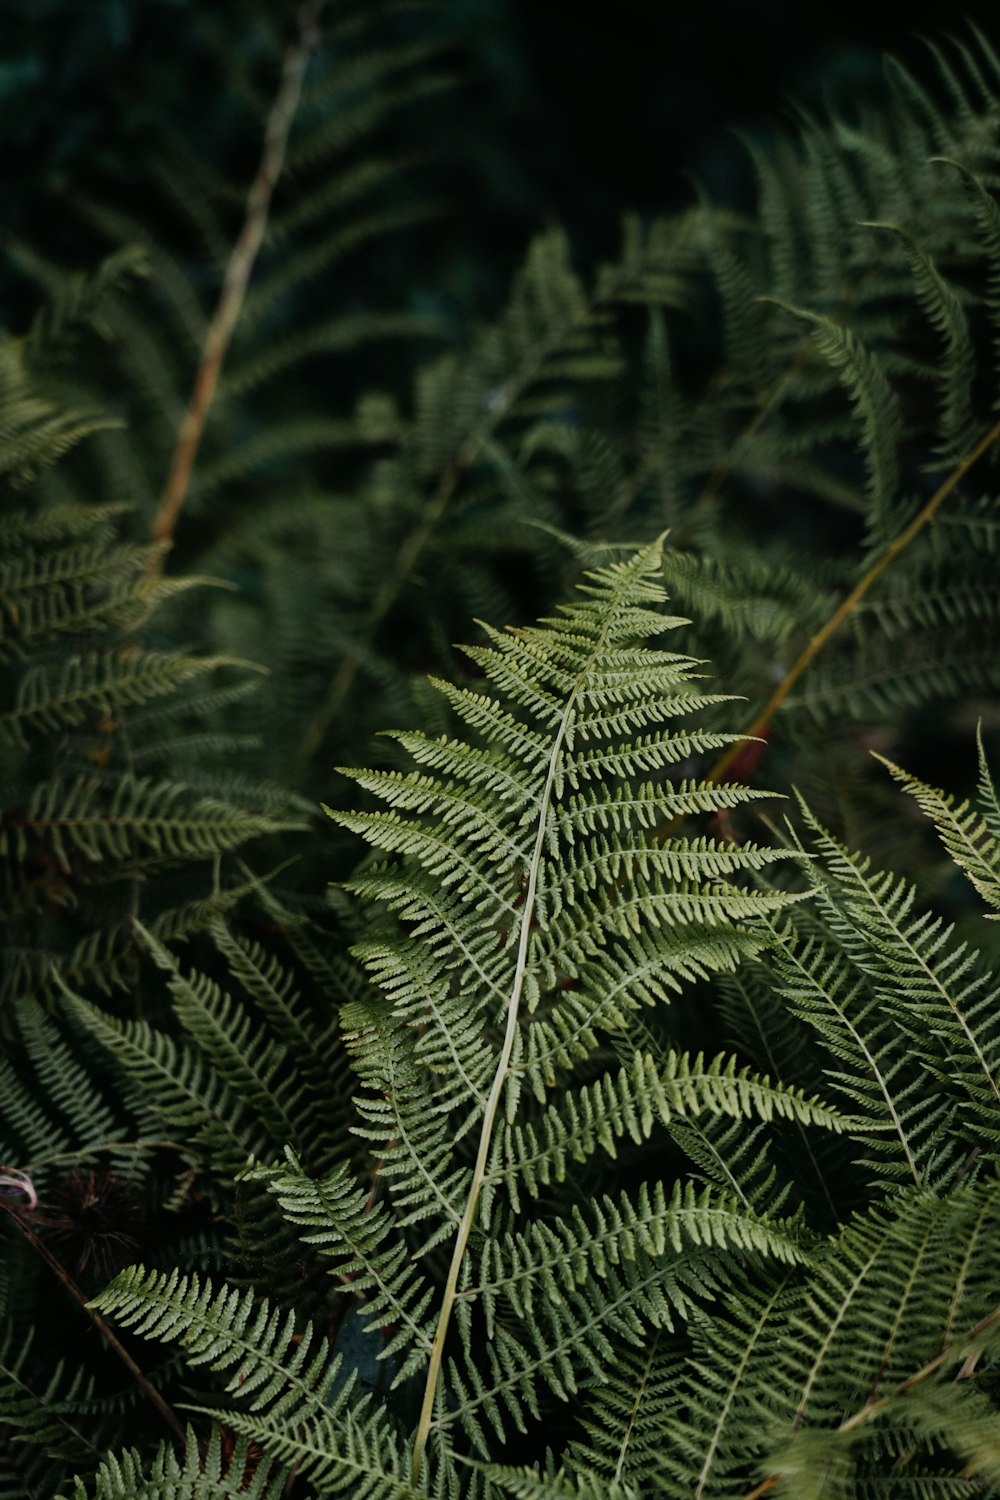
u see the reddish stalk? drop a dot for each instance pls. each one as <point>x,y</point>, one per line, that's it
<point>16,1214</point>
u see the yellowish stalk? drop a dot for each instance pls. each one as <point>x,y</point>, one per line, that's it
<point>235,282</point>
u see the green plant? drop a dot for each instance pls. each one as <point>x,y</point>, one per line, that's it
<point>600,1137</point>
<point>811,1259</point>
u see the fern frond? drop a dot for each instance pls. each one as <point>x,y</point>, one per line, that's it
<point>356,1233</point>
<point>77,299</point>
<point>232,1333</point>
<point>749,598</point>
<point>622,1424</point>
<point>987,214</point>
<point>140,822</point>
<point>49,700</point>
<point>887,1088</point>
<point>618,1261</point>
<point>565,873</point>
<point>943,307</point>
<point>965,833</point>
<point>255,1069</point>
<point>311,1044</point>
<point>343,1457</point>
<point>538,1273</point>
<point>279,1377</point>
<point>910,960</point>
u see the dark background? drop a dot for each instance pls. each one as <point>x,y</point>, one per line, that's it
<point>565,113</point>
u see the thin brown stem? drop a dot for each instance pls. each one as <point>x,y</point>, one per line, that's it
<point>235,282</point>
<point>152,1395</point>
<point>873,1407</point>
<point>847,605</point>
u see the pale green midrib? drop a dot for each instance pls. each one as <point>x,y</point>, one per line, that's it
<point>503,1064</point>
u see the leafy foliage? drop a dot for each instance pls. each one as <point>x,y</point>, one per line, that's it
<point>514,817</point>
<point>598,1136</point>
<point>97,800</point>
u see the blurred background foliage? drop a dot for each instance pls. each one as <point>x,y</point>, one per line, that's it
<point>558,115</point>
<point>421,344</point>
<point>138,122</point>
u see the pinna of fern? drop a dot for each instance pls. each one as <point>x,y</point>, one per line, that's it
<point>103,738</point>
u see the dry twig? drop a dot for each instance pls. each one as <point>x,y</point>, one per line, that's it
<point>236,280</point>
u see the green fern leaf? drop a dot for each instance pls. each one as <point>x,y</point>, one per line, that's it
<point>972,841</point>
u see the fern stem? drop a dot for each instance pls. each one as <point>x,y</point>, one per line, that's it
<point>738,1373</point>
<point>385,597</point>
<point>618,1476</point>
<point>847,605</point>
<point>762,1488</point>
<point>414,543</point>
<point>145,1385</point>
<point>499,1082</point>
<point>235,282</point>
